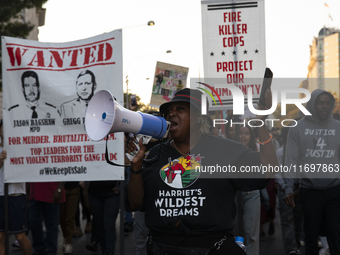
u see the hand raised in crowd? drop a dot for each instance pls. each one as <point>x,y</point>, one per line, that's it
<point>267,106</point>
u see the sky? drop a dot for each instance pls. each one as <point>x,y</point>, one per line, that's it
<point>290,28</point>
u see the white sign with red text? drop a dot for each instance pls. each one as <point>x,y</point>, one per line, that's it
<point>233,47</point>
<point>46,90</point>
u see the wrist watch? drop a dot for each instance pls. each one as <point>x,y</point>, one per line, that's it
<point>59,190</point>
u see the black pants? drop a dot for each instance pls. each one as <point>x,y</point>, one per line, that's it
<point>321,207</point>
<point>228,247</point>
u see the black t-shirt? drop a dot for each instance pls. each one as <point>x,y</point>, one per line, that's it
<point>177,194</point>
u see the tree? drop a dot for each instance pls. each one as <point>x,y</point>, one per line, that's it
<point>140,105</point>
<point>11,20</point>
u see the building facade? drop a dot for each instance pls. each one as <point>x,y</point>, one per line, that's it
<point>324,67</point>
<point>35,17</point>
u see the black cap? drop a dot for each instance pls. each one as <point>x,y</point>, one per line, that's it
<point>191,96</point>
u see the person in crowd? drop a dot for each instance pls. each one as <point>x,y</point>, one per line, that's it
<point>67,214</point>
<point>201,216</point>
<point>230,130</point>
<point>275,131</point>
<point>276,134</point>
<point>17,206</point>
<point>86,212</point>
<point>312,143</point>
<point>104,203</point>
<point>44,205</point>
<point>288,232</point>
<point>33,107</point>
<point>140,229</point>
<point>251,200</point>
<point>268,209</point>
<point>268,205</point>
<point>128,219</point>
<point>159,81</point>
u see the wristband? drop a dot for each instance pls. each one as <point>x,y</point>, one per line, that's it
<point>263,143</point>
<point>136,172</point>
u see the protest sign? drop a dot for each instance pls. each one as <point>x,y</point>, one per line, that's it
<point>233,47</point>
<point>46,90</point>
<point>168,80</point>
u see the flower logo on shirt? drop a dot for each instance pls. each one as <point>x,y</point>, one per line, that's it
<point>181,172</point>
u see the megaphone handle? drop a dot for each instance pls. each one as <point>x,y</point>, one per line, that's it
<point>107,156</point>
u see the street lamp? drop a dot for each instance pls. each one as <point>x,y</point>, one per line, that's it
<point>151,23</point>
<point>127,70</point>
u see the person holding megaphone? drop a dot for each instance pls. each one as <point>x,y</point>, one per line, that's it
<point>199,214</point>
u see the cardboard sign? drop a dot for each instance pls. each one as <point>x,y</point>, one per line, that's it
<point>233,47</point>
<point>168,80</point>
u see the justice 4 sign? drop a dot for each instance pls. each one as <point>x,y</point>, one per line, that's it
<point>234,45</point>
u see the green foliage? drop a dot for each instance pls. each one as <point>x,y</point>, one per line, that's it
<point>11,8</point>
<point>140,105</point>
<point>11,22</point>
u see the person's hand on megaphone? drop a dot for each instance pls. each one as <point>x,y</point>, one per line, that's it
<point>132,149</point>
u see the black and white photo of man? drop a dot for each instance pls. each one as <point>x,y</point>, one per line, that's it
<point>33,108</point>
<point>85,87</point>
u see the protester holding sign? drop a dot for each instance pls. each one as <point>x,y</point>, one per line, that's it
<point>45,199</point>
<point>17,207</point>
<point>201,216</point>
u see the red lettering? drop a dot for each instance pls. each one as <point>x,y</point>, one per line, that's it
<point>55,55</point>
<point>232,16</point>
<point>38,58</point>
<point>241,65</point>
<point>235,78</point>
<point>74,57</point>
<point>17,161</point>
<point>225,91</point>
<point>242,41</point>
<point>89,53</point>
<point>113,156</point>
<point>244,89</point>
<point>15,56</point>
<point>235,66</point>
<point>14,140</point>
<point>244,28</point>
<point>109,51</point>
<point>258,88</point>
<point>225,16</point>
<point>100,52</point>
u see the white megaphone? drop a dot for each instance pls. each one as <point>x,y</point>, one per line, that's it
<point>105,116</point>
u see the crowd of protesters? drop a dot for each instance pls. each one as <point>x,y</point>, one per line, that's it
<point>309,208</point>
